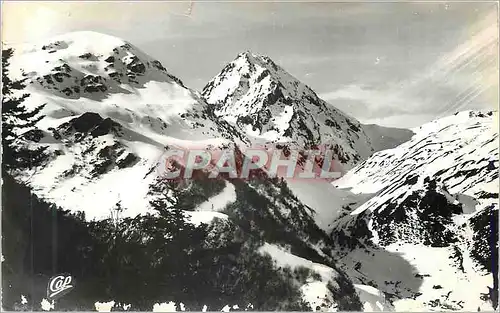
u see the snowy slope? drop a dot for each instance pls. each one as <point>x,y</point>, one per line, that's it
<point>433,210</point>
<point>460,152</point>
<point>318,281</point>
<point>328,202</point>
<point>110,111</point>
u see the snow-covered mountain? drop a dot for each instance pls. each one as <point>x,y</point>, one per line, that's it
<point>270,105</point>
<point>363,242</point>
<point>92,72</point>
<point>110,111</point>
<point>432,200</point>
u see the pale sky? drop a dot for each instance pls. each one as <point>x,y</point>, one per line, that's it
<point>397,64</point>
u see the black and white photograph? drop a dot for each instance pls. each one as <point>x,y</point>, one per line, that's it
<point>217,156</point>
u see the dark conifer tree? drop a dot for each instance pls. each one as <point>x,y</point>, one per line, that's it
<point>16,119</point>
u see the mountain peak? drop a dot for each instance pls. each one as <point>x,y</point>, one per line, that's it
<point>94,72</point>
<point>271,105</point>
<point>87,64</point>
<point>256,74</point>
<point>245,53</point>
<point>255,58</point>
